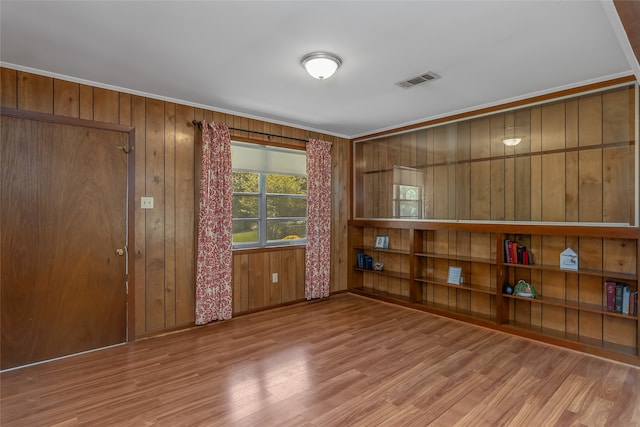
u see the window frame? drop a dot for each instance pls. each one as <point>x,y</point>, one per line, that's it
<point>398,201</point>
<point>262,195</point>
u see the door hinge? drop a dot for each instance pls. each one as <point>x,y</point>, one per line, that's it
<point>126,287</point>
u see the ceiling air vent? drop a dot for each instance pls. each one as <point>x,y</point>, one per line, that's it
<point>426,77</point>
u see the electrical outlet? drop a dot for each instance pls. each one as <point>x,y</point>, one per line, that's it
<point>146,202</point>
<point>274,277</point>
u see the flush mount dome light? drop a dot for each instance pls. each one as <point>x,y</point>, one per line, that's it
<point>321,65</point>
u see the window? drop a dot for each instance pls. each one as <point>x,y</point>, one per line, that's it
<point>407,201</point>
<point>269,195</point>
<point>407,192</point>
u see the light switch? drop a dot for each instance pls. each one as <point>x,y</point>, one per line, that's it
<point>146,202</point>
<point>274,277</point>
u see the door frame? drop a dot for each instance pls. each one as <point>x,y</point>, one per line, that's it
<point>130,220</point>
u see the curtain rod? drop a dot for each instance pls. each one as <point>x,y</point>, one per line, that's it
<point>199,124</point>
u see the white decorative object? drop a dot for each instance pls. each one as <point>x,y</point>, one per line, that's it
<point>568,260</point>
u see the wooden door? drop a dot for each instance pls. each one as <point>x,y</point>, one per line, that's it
<point>63,217</point>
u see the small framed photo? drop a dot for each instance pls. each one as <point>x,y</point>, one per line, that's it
<point>455,276</point>
<point>382,242</point>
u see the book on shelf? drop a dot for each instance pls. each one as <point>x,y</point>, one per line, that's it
<point>618,299</point>
<point>515,253</point>
<point>610,290</point>
<point>626,292</point>
<point>633,303</point>
<point>368,262</point>
<point>360,258</point>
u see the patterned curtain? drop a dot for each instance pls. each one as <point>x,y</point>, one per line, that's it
<point>318,252</point>
<point>214,269</point>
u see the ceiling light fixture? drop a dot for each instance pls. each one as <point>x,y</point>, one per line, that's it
<point>510,142</point>
<point>321,65</point>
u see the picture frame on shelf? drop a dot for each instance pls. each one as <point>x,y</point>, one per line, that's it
<point>455,275</point>
<point>382,241</point>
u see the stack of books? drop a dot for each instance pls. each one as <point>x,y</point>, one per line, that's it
<point>621,298</point>
<point>515,253</point>
<point>365,261</point>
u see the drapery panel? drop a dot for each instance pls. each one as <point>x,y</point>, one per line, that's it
<point>318,252</point>
<point>214,263</point>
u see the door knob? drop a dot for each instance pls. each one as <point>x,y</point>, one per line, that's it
<point>119,251</point>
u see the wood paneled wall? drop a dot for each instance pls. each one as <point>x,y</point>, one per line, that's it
<point>575,164</point>
<point>167,168</point>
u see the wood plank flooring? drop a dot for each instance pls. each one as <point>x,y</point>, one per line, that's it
<point>344,361</point>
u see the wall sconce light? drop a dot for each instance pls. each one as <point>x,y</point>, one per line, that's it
<point>321,65</point>
<point>510,142</point>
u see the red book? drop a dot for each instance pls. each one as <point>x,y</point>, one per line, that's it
<point>610,289</point>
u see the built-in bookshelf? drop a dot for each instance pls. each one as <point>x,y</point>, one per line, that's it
<point>570,308</point>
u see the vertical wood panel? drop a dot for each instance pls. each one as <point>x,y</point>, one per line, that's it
<point>571,123</point>
<point>66,98</point>
<point>35,93</point>
<point>615,122</point>
<point>275,289</point>
<point>170,214</point>
<point>498,130</point>
<point>463,171</point>
<point>240,283</point>
<point>154,230</point>
<point>288,275</point>
<point>340,184</point>
<point>590,120</point>
<point>8,88</point>
<point>590,185</point>
<point>617,185</point>
<point>480,137</point>
<point>300,273</point>
<point>536,166</point>
<point>480,190</point>
<point>138,120</point>
<point>509,189</point>
<point>106,105</point>
<point>441,196</point>
<point>86,103</point>
<point>256,281</point>
<point>523,196</point>
<point>185,215</point>
<point>572,193</point>
<point>125,109</point>
<point>553,128</point>
<point>497,189</point>
<point>553,187</point>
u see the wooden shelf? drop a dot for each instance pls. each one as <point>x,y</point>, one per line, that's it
<point>465,287</point>
<point>456,258</point>
<point>385,273</point>
<point>585,272</point>
<point>572,305</point>
<point>374,249</point>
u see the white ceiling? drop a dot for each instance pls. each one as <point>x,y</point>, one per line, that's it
<point>243,57</point>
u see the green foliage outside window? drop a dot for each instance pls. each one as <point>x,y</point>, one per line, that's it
<point>285,207</point>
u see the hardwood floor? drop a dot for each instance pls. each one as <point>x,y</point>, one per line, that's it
<point>347,360</point>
